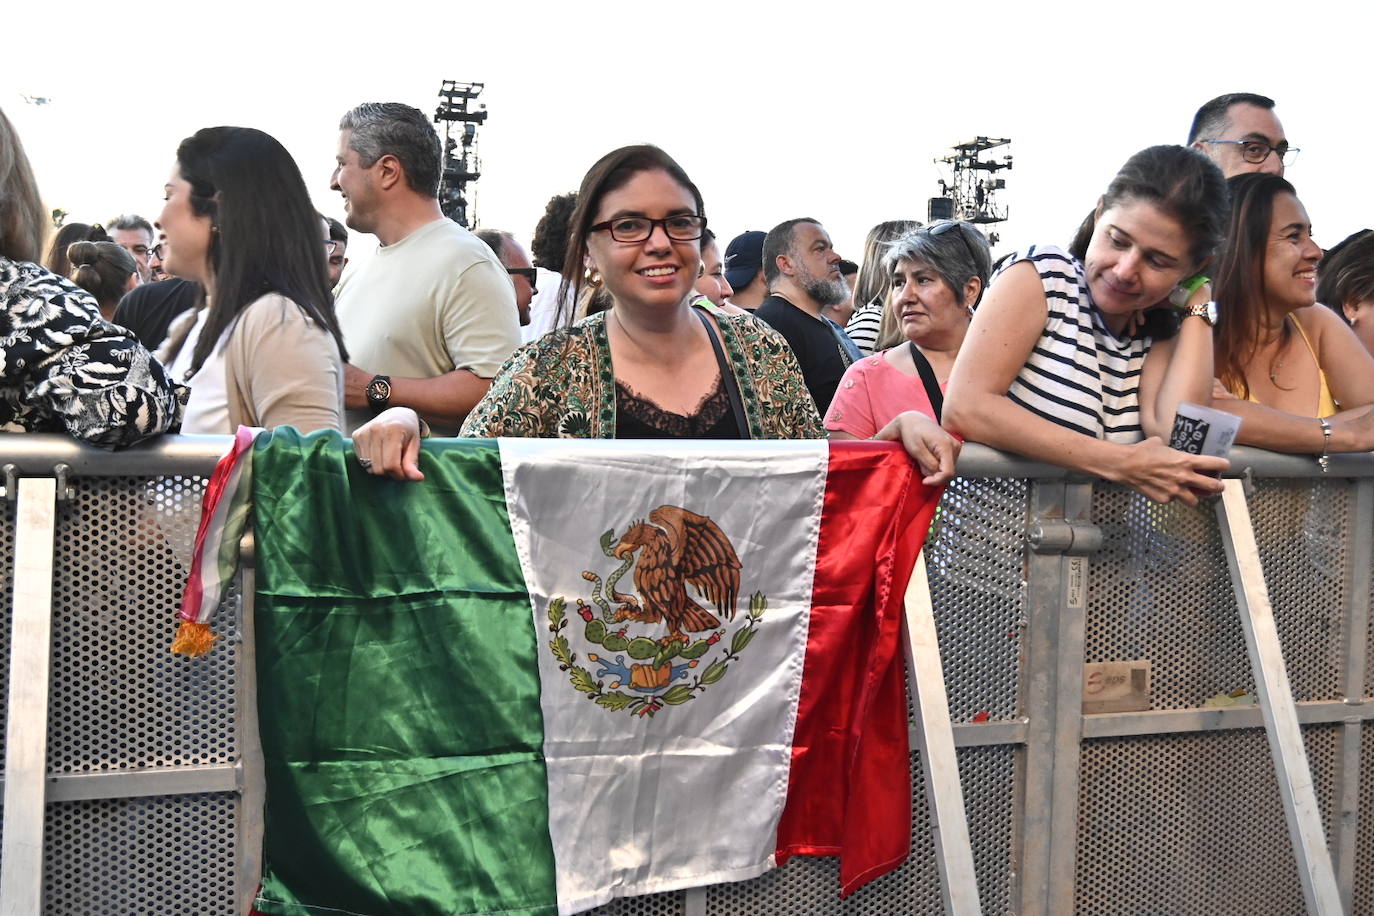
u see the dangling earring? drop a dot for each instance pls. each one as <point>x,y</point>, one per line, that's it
<point>592,276</point>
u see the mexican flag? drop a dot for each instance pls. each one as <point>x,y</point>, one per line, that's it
<point>554,673</point>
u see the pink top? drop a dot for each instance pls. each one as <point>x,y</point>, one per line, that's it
<point>871,393</point>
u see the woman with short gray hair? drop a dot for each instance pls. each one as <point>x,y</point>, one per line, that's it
<point>937,275</point>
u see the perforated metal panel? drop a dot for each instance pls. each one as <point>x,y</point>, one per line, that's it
<point>1184,824</point>
<point>811,886</point>
<point>118,857</point>
<point>120,699</point>
<point>1160,590</point>
<point>669,904</point>
<point>7,509</point>
<point>975,555</point>
<point>1303,532</point>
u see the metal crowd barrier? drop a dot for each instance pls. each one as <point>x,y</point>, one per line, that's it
<point>1222,767</point>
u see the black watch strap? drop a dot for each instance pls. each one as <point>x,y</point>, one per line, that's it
<point>379,393</point>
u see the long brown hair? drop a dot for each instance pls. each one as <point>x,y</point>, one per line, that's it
<point>1239,284</point>
<point>266,235</point>
<point>610,173</point>
<point>21,209</point>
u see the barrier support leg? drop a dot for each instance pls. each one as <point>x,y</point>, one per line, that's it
<point>935,740</point>
<point>1353,668</point>
<point>26,731</point>
<point>252,779</point>
<point>1279,712</point>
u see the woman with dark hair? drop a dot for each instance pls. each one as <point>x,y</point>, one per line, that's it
<point>1345,284</point>
<point>652,365</point>
<point>548,249</point>
<point>56,259</point>
<point>66,368</point>
<point>1073,356</point>
<point>711,283</point>
<point>873,284</point>
<point>938,274</point>
<point>266,349</point>
<point>104,270</point>
<point>1294,372</point>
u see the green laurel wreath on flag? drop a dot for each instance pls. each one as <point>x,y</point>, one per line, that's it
<point>651,654</point>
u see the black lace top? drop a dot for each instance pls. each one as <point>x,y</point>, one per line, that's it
<point>639,418</point>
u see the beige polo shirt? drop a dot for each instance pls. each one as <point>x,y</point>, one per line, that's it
<point>435,301</point>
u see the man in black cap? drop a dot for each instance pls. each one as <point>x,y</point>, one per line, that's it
<point>743,270</point>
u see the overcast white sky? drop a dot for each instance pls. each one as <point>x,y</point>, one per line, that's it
<point>776,110</point>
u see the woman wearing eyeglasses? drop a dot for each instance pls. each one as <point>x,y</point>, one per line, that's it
<point>937,275</point>
<point>652,365</point>
<point>1075,357</point>
<point>266,348</point>
<point>1294,372</point>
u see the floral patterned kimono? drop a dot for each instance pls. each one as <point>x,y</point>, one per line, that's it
<point>563,386</point>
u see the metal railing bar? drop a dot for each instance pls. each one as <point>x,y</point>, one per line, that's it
<point>26,728</point>
<point>145,781</point>
<point>1180,721</point>
<point>36,453</point>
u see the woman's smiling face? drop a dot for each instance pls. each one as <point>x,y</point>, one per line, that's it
<point>657,272</point>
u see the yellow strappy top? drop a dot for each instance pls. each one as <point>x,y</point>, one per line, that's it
<point>1326,404</point>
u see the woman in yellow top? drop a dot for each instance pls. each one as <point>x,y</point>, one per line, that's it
<point>1292,370</point>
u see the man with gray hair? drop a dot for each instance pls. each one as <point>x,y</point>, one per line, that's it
<point>135,235</point>
<point>431,316</point>
<point>516,260</point>
<point>802,269</point>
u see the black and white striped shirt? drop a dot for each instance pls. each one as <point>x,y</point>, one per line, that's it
<point>1080,375</point>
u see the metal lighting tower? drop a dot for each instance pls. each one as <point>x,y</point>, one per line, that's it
<point>971,192</point>
<point>461,163</point>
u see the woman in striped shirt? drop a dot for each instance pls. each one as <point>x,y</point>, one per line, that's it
<point>1074,357</point>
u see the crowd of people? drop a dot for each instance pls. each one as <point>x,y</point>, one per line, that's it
<point>1194,278</point>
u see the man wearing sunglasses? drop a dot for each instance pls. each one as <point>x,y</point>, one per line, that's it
<point>1241,133</point>
<point>516,260</point>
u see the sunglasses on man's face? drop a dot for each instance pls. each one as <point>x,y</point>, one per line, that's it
<point>529,273</point>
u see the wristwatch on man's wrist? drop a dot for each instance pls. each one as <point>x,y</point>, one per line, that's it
<point>379,393</point>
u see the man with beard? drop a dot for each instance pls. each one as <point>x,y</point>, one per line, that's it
<point>802,270</point>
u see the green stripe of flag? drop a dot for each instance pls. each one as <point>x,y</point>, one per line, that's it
<point>404,754</point>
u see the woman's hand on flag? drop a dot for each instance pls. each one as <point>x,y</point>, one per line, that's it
<point>389,444</point>
<point>934,450</point>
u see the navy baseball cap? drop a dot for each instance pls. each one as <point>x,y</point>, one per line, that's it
<point>744,257</point>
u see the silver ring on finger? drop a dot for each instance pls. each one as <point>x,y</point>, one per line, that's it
<point>365,463</point>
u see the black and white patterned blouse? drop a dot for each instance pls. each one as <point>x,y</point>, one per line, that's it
<point>66,369</point>
<point>1080,374</point>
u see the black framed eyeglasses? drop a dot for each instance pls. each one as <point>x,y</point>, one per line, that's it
<point>1256,151</point>
<point>682,228</point>
<point>330,247</point>
<point>529,273</point>
<point>156,252</point>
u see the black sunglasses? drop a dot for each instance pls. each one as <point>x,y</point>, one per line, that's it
<point>529,273</point>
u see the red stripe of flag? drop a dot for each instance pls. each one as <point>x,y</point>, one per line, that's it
<point>849,790</point>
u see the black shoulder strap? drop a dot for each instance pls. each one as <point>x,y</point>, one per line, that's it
<point>937,397</point>
<point>727,377</point>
